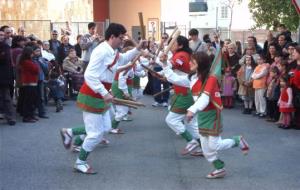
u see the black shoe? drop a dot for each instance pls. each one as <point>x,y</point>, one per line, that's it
<point>245,111</point>
<point>43,116</point>
<point>11,122</point>
<point>249,111</point>
<point>28,120</point>
<point>286,127</point>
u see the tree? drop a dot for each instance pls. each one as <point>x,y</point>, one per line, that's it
<point>270,13</point>
<point>230,5</point>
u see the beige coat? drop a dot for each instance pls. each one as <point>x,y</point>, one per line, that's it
<point>245,88</point>
<point>72,66</point>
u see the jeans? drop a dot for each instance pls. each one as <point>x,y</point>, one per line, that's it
<point>157,88</point>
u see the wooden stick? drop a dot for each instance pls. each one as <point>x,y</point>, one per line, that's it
<point>171,36</point>
<point>143,32</point>
<point>134,103</point>
<point>124,104</point>
<point>155,74</point>
<point>174,38</point>
<point>162,92</point>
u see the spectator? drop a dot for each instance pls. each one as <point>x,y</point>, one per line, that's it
<point>246,91</point>
<point>42,64</point>
<point>259,77</point>
<point>56,85</point>
<point>249,52</point>
<point>88,42</point>
<point>272,53</point>
<point>295,83</point>
<point>195,43</point>
<point>6,81</point>
<point>228,88</point>
<point>18,43</point>
<point>54,44</point>
<point>233,59</point>
<point>63,49</point>
<point>75,67</point>
<point>29,80</point>
<point>272,95</point>
<point>282,44</point>
<point>285,102</point>
<point>210,49</point>
<point>292,63</point>
<point>21,31</point>
<point>270,40</point>
<point>77,46</point>
<point>217,43</point>
<point>7,34</point>
<point>252,43</point>
<point>206,38</point>
<point>72,63</point>
<point>46,53</point>
<point>238,48</point>
<point>283,31</point>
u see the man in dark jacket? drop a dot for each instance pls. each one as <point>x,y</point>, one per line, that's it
<point>6,81</point>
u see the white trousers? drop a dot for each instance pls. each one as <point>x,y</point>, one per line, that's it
<point>178,124</point>
<point>137,93</point>
<point>95,126</point>
<point>121,111</point>
<point>260,100</point>
<point>212,144</point>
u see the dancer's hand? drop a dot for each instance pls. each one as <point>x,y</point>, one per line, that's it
<point>189,116</point>
<point>142,44</point>
<point>108,98</point>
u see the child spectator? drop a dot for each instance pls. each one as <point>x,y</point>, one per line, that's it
<point>56,85</point>
<point>259,77</point>
<point>246,90</point>
<point>228,88</point>
<point>272,95</point>
<point>285,102</point>
<point>29,80</point>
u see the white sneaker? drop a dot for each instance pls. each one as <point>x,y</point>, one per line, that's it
<point>156,104</point>
<point>104,142</point>
<point>244,145</point>
<point>66,138</point>
<point>84,168</point>
<point>190,146</point>
<point>197,152</point>
<point>126,118</point>
<point>165,104</point>
<point>217,174</point>
<point>116,131</point>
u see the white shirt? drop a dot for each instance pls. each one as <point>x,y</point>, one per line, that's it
<point>97,70</point>
<point>47,55</point>
<point>200,102</point>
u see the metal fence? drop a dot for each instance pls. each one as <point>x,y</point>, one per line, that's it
<point>42,28</point>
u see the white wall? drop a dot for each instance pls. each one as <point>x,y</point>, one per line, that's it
<point>178,11</point>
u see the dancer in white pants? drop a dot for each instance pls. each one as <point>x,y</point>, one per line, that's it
<point>94,97</point>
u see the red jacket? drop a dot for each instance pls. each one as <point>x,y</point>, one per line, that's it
<point>29,72</point>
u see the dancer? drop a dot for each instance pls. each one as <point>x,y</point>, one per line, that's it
<point>94,98</point>
<point>182,98</point>
<point>207,106</point>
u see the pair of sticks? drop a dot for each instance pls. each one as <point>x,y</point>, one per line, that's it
<point>129,103</point>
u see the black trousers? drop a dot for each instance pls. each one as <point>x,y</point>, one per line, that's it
<point>273,109</point>
<point>29,100</point>
<point>7,104</point>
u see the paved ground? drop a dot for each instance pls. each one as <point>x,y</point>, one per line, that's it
<point>147,156</point>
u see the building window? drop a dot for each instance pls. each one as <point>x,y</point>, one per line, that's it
<point>224,12</point>
<point>198,6</point>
